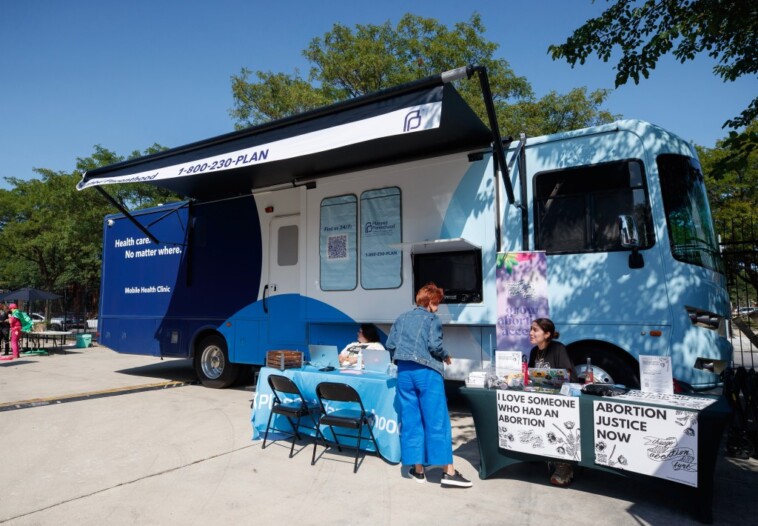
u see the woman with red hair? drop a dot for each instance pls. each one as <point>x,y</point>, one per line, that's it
<point>425,434</point>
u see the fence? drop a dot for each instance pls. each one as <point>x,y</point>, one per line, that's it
<point>739,249</point>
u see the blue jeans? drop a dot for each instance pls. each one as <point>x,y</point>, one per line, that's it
<point>425,434</point>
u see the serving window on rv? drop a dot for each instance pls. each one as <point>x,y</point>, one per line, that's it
<point>458,273</point>
<point>378,236</point>
<point>577,209</point>
<point>688,216</point>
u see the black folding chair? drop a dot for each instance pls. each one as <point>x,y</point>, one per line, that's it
<point>291,410</point>
<point>352,415</point>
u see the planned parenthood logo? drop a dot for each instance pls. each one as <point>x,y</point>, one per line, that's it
<point>412,120</point>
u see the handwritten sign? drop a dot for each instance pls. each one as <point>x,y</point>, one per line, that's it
<point>653,441</point>
<point>539,424</point>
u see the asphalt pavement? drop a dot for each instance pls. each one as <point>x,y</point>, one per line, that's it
<point>93,437</point>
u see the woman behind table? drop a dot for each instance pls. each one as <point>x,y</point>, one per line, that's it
<point>15,326</point>
<point>368,338</point>
<point>426,436</point>
<point>548,353</point>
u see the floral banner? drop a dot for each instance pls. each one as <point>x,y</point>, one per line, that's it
<point>521,297</point>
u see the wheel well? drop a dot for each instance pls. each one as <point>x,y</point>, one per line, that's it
<point>202,335</point>
<point>579,350</point>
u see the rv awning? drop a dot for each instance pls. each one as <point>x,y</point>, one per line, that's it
<point>432,246</point>
<point>412,121</point>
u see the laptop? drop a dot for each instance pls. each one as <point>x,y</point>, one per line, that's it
<point>324,356</point>
<point>376,360</point>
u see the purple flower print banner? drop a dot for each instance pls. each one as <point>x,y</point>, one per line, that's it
<point>521,297</point>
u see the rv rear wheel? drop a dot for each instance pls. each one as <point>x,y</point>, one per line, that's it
<point>212,363</point>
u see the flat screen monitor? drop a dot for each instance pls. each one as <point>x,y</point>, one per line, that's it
<point>459,274</point>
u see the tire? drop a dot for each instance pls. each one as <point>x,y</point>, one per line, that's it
<point>56,327</point>
<point>609,364</point>
<point>212,363</point>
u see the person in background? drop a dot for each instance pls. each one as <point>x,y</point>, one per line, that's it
<point>426,435</point>
<point>5,329</point>
<point>15,329</point>
<point>368,338</point>
<point>548,353</point>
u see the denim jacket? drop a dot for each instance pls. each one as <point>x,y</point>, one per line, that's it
<point>416,336</point>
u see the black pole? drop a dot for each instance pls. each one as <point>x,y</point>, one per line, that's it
<point>126,213</point>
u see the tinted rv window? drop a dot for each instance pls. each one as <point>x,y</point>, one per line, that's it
<point>337,243</point>
<point>577,209</point>
<point>458,273</point>
<point>381,228</point>
<point>287,246</point>
<point>688,215</point>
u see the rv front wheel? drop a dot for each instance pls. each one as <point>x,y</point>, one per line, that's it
<point>608,365</point>
<point>212,363</point>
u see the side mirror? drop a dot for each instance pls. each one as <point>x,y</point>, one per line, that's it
<point>630,238</point>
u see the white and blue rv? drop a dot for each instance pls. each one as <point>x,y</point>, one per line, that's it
<point>295,231</point>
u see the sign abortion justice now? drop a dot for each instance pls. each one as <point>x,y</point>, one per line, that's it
<point>656,441</point>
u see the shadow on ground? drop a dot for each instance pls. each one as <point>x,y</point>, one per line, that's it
<point>178,370</point>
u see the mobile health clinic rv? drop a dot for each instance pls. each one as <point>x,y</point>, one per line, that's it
<point>294,232</point>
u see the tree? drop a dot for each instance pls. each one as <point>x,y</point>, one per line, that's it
<point>731,180</point>
<point>643,31</point>
<point>51,234</point>
<point>347,63</point>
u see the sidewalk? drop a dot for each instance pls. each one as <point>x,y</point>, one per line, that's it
<point>184,456</point>
<point>76,371</point>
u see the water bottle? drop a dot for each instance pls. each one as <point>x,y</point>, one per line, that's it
<point>525,369</point>
<point>360,360</point>
<point>589,376</point>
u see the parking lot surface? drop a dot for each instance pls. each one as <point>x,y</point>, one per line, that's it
<point>94,437</point>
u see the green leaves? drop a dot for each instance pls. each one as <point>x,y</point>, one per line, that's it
<point>51,234</point>
<point>350,62</point>
<point>643,31</point>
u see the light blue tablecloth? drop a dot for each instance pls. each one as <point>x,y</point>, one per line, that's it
<point>377,392</point>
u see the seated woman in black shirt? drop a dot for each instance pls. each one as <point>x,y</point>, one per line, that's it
<point>548,353</point>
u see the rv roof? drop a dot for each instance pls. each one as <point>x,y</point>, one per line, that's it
<point>413,121</point>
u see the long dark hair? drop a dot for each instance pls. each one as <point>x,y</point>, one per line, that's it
<point>547,325</point>
<point>370,332</point>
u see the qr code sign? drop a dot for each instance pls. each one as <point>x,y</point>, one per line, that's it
<point>337,247</point>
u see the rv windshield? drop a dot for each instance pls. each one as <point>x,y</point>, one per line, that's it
<point>688,215</point>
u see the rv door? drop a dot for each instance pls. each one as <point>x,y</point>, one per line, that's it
<point>283,293</point>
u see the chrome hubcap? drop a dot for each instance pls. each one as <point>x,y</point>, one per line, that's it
<point>212,362</point>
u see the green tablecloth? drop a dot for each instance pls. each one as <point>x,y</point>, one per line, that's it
<point>712,421</point>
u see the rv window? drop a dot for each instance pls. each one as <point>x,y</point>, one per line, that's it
<point>287,246</point>
<point>338,243</point>
<point>688,215</point>
<point>458,273</point>
<point>381,227</point>
<point>577,209</point>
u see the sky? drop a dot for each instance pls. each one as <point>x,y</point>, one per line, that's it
<point>125,75</point>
